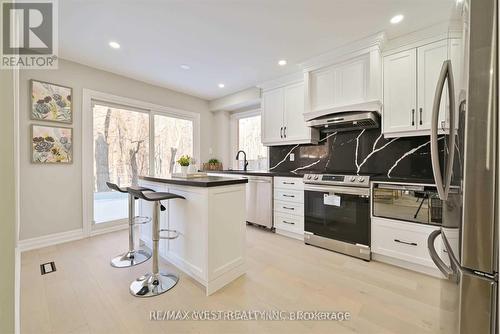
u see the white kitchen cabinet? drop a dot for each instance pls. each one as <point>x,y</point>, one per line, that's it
<point>289,207</point>
<point>410,80</point>
<point>272,116</point>
<point>400,92</point>
<point>282,117</point>
<point>339,84</point>
<point>404,244</point>
<point>295,128</point>
<point>429,63</point>
<point>343,82</point>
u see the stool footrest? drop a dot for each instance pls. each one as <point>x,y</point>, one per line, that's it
<point>169,237</point>
<point>138,220</point>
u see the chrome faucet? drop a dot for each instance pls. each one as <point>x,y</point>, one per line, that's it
<point>245,162</point>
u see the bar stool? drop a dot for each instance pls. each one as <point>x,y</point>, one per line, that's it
<point>155,283</point>
<point>133,256</point>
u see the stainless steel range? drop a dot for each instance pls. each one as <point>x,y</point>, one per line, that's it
<point>337,213</point>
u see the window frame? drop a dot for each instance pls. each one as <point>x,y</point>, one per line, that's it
<point>89,97</point>
<point>234,133</point>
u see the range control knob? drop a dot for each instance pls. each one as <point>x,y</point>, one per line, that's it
<point>361,179</point>
<point>353,179</point>
<point>309,177</point>
<point>316,177</point>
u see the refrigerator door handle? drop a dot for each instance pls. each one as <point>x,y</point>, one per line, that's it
<point>446,75</point>
<point>447,271</point>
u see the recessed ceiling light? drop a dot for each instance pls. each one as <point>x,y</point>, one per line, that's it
<point>396,19</point>
<point>282,62</point>
<point>114,45</point>
<point>185,67</point>
<point>221,85</point>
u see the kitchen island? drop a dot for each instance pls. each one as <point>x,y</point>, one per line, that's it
<point>211,225</point>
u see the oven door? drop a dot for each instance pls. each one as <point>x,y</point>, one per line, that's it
<point>340,213</point>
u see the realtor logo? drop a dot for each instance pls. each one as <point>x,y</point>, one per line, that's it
<point>29,34</point>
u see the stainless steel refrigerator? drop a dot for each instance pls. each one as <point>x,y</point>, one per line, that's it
<point>467,179</point>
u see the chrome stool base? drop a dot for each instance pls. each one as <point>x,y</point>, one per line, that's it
<point>131,259</point>
<point>151,285</point>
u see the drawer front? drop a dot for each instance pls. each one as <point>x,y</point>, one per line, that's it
<point>286,195</point>
<point>407,244</point>
<point>288,222</point>
<point>293,183</point>
<point>292,208</point>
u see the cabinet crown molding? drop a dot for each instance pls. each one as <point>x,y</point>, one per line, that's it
<point>352,50</point>
<point>282,81</point>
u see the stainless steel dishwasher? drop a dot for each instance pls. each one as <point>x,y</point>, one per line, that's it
<point>259,193</point>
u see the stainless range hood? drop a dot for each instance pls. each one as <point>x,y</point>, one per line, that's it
<point>346,121</point>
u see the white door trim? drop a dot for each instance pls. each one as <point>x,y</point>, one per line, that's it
<point>17,200</point>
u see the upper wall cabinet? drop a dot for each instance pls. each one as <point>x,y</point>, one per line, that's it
<point>282,117</point>
<point>352,83</point>
<point>410,80</point>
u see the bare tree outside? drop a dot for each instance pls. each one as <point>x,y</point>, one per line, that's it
<point>249,140</point>
<point>173,138</point>
<point>121,146</point>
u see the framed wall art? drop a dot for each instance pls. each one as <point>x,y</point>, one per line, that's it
<point>51,144</point>
<point>51,102</point>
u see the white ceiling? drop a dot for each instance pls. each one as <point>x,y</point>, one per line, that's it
<point>235,42</point>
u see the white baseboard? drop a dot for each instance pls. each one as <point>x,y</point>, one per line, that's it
<point>104,230</point>
<point>17,292</point>
<point>407,265</point>
<point>290,234</point>
<point>50,240</point>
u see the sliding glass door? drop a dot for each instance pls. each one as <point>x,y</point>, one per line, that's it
<point>129,142</point>
<point>173,137</point>
<point>121,154</point>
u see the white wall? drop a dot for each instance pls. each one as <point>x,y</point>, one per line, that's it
<point>51,195</point>
<point>222,138</point>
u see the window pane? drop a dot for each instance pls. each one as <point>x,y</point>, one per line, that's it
<point>249,140</point>
<point>173,138</point>
<point>121,154</point>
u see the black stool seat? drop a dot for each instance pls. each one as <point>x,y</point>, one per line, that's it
<point>153,196</point>
<point>125,189</point>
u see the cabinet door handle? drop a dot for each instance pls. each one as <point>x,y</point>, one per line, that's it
<point>292,183</point>
<point>420,116</point>
<point>281,132</point>
<point>286,207</point>
<point>285,195</point>
<point>406,243</point>
<point>290,223</point>
<point>413,117</point>
<point>284,131</point>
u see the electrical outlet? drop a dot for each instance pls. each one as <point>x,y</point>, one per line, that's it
<point>292,156</point>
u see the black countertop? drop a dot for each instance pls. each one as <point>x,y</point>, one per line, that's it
<point>206,181</point>
<point>258,173</point>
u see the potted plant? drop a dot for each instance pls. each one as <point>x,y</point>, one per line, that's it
<point>184,161</point>
<point>213,164</point>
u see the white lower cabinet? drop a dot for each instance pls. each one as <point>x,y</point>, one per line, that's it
<point>404,244</point>
<point>289,207</point>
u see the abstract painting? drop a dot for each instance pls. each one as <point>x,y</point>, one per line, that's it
<point>51,102</point>
<point>51,144</point>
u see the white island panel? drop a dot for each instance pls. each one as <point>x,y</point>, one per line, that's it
<point>212,227</point>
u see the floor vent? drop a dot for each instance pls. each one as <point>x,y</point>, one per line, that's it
<point>47,268</point>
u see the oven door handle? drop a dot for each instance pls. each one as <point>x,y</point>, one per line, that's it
<point>338,190</point>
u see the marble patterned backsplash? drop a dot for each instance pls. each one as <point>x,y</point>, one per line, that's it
<point>359,152</point>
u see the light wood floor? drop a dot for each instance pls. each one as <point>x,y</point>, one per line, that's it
<point>87,295</point>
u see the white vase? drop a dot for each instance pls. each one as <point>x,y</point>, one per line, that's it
<point>184,169</point>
